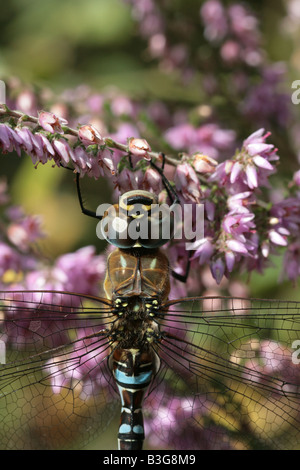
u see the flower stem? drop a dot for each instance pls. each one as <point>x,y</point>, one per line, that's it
<point>5,111</point>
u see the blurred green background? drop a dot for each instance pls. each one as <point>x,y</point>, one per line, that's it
<point>62,44</point>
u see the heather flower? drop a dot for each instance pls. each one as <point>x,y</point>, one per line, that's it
<point>106,161</point>
<point>187,183</point>
<point>26,102</point>
<point>291,261</point>
<point>230,51</point>
<point>139,148</point>
<point>272,360</point>
<point>91,372</point>
<point>90,136</point>
<point>204,249</point>
<point>81,270</point>
<point>208,139</point>
<point>251,166</point>
<point>214,18</point>
<point>8,138</point>
<point>9,259</point>
<point>278,237</point>
<point>26,232</point>
<point>25,136</point>
<point>95,102</point>
<point>236,224</point>
<point>240,202</point>
<point>37,153</point>
<point>152,181</point>
<point>203,164</point>
<point>180,137</point>
<point>51,123</point>
<point>265,101</point>
<point>124,131</point>
<point>82,161</point>
<point>63,151</point>
<point>128,180</point>
<point>217,269</point>
<point>121,105</point>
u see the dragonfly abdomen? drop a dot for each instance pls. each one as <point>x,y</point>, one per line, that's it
<point>133,370</point>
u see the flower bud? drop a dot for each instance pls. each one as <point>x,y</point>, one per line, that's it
<point>90,136</point>
<point>203,163</point>
<point>139,148</point>
<point>51,123</point>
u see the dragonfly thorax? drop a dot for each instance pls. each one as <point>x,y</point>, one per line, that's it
<point>135,326</point>
<point>137,273</point>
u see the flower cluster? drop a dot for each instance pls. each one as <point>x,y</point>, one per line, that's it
<point>209,138</point>
<point>236,27</point>
<point>241,229</point>
<point>22,268</point>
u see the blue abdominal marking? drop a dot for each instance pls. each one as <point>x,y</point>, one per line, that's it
<point>138,429</point>
<point>124,428</point>
<point>142,378</point>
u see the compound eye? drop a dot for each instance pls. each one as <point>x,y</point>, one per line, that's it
<point>160,228</point>
<point>114,228</point>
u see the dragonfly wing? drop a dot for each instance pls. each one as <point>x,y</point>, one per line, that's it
<point>56,390</point>
<point>229,376</point>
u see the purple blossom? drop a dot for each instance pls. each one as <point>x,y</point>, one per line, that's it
<point>139,148</point>
<point>9,259</point>
<point>91,372</point>
<point>62,150</point>
<point>51,123</point>
<point>25,232</point>
<point>128,180</point>
<point>208,139</point>
<point>217,269</point>
<point>272,360</point>
<point>8,138</point>
<point>90,136</point>
<point>203,250</point>
<point>291,262</point>
<point>266,101</point>
<point>214,18</point>
<point>187,183</point>
<point>251,166</point>
<point>175,416</point>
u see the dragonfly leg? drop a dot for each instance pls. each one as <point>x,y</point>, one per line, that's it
<point>170,190</point>
<point>182,277</point>
<point>85,211</point>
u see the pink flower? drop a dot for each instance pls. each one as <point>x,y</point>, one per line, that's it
<point>63,150</point>
<point>51,123</point>
<point>90,136</point>
<point>128,180</point>
<point>203,164</point>
<point>139,148</point>
<point>217,269</point>
<point>296,178</point>
<point>24,233</point>
<point>152,180</point>
<point>187,182</point>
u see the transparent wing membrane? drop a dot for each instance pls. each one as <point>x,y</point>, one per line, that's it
<point>56,390</point>
<point>228,377</point>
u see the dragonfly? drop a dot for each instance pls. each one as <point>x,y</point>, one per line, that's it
<point>192,373</point>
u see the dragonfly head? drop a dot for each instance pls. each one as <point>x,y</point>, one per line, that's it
<point>138,221</point>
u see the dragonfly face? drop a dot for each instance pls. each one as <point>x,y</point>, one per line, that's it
<point>138,221</point>
<point>211,373</point>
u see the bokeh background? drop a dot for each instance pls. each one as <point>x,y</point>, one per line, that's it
<point>104,46</point>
